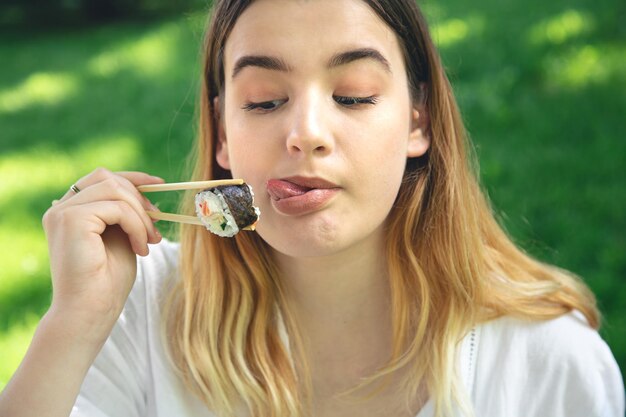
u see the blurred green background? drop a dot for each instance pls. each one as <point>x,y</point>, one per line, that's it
<point>542,86</point>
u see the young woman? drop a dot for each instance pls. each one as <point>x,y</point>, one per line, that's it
<point>377,283</point>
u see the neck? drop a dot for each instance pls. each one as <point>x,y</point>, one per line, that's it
<point>341,306</point>
<point>350,286</point>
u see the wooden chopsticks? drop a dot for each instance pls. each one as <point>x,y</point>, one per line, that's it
<point>192,185</point>
<point>171,217</point>
<point>177,186</point>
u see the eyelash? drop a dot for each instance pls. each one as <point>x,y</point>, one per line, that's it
<point>341,100</point>
<point>353,101</point>
<point>260,106</point>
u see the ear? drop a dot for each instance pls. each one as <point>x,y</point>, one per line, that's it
<point>221,147</point>
<point>419,137</point>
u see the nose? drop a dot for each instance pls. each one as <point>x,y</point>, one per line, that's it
<point>310,133</point>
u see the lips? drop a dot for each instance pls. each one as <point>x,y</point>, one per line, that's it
<point>300,195</point>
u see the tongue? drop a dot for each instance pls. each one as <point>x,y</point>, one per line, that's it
<point>279,189</point>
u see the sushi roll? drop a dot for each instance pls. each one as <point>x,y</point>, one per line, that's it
<point>227,209</point>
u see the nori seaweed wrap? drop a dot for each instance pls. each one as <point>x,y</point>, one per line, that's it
<point>226,209</point>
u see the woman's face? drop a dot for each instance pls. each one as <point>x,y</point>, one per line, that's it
<point>317,118</point>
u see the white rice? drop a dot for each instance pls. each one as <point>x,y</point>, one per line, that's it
<point>220,220</point>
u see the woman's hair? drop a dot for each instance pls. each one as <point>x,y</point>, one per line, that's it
<point>450,265</point>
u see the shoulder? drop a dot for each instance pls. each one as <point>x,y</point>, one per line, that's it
<point>568,336</point>
<point>567,340</point>
<point>558,367</point>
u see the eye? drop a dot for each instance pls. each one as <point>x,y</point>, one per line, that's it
<point>263,106</point>
<point>355,101</point>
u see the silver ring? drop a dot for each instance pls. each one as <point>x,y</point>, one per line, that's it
<point>75,189</point>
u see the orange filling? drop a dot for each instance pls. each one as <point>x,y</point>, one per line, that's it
<point>204,209</point>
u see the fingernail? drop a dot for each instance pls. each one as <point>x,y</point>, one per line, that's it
<point>153,207</point>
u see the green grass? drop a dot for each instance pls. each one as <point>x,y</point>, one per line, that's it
<point>542,87</point>
<point>543,90</point>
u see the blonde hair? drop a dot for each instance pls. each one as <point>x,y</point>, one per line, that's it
<point>451,266</point>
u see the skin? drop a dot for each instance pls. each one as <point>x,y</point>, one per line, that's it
<point>362,148</point>
<point>93,237</point>
<point>330,258</point>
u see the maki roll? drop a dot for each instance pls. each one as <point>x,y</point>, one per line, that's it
<point>225,210</point>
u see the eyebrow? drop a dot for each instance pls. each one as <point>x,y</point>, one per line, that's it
<point>342,58</point>
<point>260,61</point>
<point>347,57</point>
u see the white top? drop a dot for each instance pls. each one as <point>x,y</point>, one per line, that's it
<point>511,368</point>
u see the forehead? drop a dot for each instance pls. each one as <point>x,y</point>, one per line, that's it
<point>305,32</point>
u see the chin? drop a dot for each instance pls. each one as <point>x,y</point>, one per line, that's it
<point>321,238</point>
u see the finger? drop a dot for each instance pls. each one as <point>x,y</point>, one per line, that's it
<point>117,189</point>
<point>140,178</point>
<point>103,174</point>
<point>82,220</point>
<point>119,212</point>
<point>128,179</point>
<point>94,177</point>
<point>131,180</point>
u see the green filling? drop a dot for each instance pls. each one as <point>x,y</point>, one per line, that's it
<point>223,225</point>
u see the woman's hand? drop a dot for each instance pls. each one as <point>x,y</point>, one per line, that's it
<point>93,236</point>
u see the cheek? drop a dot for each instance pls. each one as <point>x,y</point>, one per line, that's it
<point>248,149</point>
<point>382,145</point>
<point>242,161</point>
<point>382,157</point>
